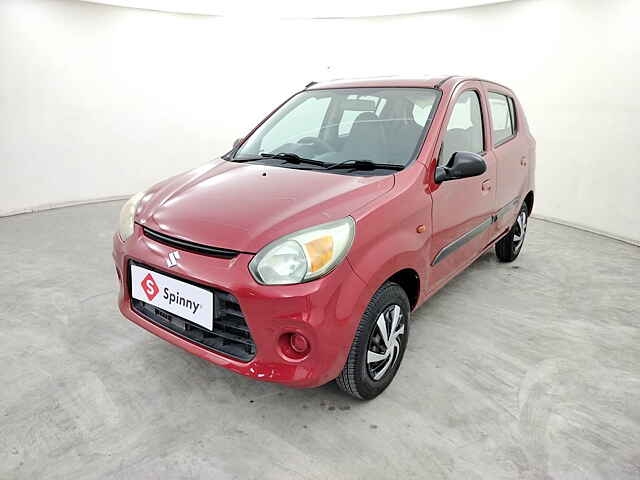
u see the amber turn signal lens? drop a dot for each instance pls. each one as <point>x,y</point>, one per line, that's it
<point>320,252</point>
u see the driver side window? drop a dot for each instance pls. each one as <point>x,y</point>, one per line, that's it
<point>303,121</point>
<point>464,130</point>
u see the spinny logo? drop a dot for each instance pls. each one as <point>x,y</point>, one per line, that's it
<point>150,287</point>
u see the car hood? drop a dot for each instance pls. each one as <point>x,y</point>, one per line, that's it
<point>244,206</point>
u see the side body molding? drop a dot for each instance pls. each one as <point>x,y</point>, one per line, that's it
<point>474,232</point>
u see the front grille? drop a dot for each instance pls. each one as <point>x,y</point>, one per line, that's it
<point>230,334</point>
<point>190,246</point>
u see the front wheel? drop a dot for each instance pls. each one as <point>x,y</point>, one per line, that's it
<point>379,344</point>
<point>509,246</point>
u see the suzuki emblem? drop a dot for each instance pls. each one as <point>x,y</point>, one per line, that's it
<point>172,261</point>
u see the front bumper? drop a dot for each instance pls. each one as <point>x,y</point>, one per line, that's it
<point>326,311</point>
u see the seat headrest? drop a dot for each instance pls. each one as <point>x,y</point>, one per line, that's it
<point>366,117</point>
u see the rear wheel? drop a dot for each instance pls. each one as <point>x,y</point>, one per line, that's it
<point>508,248</point>
<point>379,344</point>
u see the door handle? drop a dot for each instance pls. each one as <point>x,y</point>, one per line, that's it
<point>523,161</point>
<point>486,185</point>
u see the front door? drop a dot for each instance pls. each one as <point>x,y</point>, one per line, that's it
<point>462,209</point>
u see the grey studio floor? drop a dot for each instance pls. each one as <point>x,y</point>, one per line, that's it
<point>529,370</point>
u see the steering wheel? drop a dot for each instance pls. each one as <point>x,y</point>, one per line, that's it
<point>316,142</point>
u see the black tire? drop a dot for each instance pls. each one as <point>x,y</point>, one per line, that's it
<point>510,246</point>
<point>358,376</point>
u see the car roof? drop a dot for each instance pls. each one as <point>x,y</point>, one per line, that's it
<point>417,81</point>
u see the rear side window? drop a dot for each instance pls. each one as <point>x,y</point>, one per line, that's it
<point>503,118</point>
<point>464,130</point>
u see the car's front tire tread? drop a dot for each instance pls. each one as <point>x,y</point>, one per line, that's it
<point>348,380</point>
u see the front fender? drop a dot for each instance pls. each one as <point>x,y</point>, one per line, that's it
<point>387,240</point>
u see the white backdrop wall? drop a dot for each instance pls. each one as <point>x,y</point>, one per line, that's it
<point>99,101</point>
<point>298,9</point>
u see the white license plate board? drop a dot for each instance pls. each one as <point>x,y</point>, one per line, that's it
<point>180,298</point>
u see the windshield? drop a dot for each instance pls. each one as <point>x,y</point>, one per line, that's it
<point>381,125</point>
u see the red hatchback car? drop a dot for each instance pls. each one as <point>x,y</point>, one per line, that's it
<point>298,256</point>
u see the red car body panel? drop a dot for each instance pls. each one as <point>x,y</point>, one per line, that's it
<point>245,206</point>
<point>321,310</point>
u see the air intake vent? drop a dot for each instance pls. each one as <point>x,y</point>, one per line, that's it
<point>230,335</point>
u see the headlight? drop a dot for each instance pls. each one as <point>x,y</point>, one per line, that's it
<point>127,213</point>
<point>304,255</point>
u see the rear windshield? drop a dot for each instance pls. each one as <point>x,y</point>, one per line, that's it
<point>382,125</point>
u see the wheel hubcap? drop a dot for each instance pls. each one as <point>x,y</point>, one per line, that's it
<point>384,345</point>
<point>520,228</point>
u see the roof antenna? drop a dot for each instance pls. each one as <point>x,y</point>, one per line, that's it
<point>310,84</point>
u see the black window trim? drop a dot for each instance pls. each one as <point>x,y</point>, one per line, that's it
<point>511,103</point>
<point>482,121</point>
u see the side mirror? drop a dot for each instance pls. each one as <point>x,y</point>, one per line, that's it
<point>237,142</point>
<point>461,165</point>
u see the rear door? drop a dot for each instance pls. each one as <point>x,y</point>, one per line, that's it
<point>510,152</point>
<point>462,209</point>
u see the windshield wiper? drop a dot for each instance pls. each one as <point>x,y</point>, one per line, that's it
<point>365,165</point>
<point>286,156</point>
<point>293,158</point>
<point>297,160</point>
